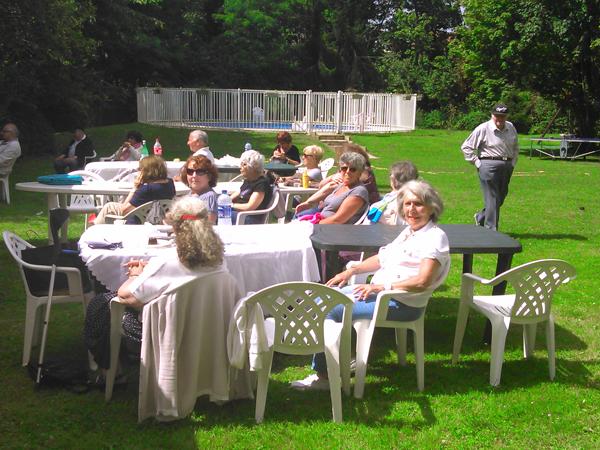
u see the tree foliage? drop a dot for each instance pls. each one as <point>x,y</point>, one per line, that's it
<point>67,62</point>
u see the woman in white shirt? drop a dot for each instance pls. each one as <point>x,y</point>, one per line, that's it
<point>417,260</point>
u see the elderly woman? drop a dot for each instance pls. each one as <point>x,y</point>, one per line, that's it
<point>151,184</point>
<point>367,178</point>
<point>201,176</point>
<point>199,251</point>
<point>347,202</point>
<point>256,190</point>
<point>285,152</point>
<point>311,157</point>
<point>386,210</point>
<point>415,261</point>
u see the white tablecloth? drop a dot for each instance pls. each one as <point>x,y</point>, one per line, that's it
<point>110,169</point>
<point>257,256</point>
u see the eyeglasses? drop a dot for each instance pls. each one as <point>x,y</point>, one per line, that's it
<point>344,169</point>
<point>197,172</point>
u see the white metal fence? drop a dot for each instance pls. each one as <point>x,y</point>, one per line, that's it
<point>301,111</point>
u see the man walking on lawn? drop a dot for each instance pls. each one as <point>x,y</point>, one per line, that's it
<point>493,148</point>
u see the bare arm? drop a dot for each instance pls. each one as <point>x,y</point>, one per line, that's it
<point>428,270</point>
<point>316,198</point>
<point>135,268</point>
<point>370,264</point>
<point>349,207</point>
<point>253,202</point>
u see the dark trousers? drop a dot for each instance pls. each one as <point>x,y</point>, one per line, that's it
<point>494,177</point>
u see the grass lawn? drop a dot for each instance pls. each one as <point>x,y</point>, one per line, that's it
<point>552,209</point>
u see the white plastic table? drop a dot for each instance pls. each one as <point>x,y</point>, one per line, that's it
<point>57,194</point>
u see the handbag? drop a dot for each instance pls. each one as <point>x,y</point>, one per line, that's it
<point>39,281</point>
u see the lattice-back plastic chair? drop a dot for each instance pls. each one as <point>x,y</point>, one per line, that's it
<point>37,301</point>
<point>366,327</point>
<point>89,158</point>
<point>325,166</point>
<point>242,215</point>
<point>299,310</point>
<point>534,284</point>
<point>85,203</point>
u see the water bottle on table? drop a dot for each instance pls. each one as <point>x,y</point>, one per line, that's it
<point>157,148</point>
<point>224,205</point>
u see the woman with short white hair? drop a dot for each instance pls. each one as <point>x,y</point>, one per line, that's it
<point>256,191</point>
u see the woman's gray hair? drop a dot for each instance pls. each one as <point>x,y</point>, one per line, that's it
<point>352,159</point>
<point>424,192</point>
<point>254,160</point>
<point>197,242</point>
<point>402,172</point>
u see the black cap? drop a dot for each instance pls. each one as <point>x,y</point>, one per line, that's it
<point>500,109</point>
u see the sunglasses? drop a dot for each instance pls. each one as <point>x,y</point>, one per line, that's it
<point>344,169</point>
<point>197,172</point>
<point>304,155</point>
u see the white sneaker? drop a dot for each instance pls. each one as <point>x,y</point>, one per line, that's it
<point>311,382</point>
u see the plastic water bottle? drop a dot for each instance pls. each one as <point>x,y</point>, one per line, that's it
<point>157,147</point>
<point>248,146</point>
<point>144,151</point>
<point>224,205</point>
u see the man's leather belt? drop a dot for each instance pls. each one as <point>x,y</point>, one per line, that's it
<point>496,158</point>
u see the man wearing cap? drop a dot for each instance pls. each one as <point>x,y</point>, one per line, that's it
<point>493,148</point>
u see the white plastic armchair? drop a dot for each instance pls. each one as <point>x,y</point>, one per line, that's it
<point>242,215</point>
<point>85,203</point>
<point>299,310</point>
<point>152,212</point>
<point>5,193</point>
<point>89,158</point>
<point>36,302</point>
<point>366,327</point>
<point>534,284</point>
<point>325,166</point>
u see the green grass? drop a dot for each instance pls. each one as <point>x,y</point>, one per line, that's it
<point>551,209</point>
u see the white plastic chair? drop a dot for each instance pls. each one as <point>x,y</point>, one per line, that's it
<point>534,284</point>
<point>5,188</point>
<point>242,215</point>
<point>153,211</point>
<point>89,158</point>
<point>366,327</point>
<point>325,166</point>
<point>85,203</point>
<point>299,310</point>
<point>36,302</point>
<point>184,348</point>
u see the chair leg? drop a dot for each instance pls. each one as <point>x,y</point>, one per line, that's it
<point>333,373</point>
<point>263,386</point>
<point>461,324</point>
<point>550,344</point>
<point>499,331</point>
<point>364,336</point>
<point>401,345</point>
<point>33,320</point>
<point>529,339</point>
<point>419,340</point>
<point>116,316</point>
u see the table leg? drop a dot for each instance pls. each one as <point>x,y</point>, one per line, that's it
<point>53,202</point>
<point>503,264</point>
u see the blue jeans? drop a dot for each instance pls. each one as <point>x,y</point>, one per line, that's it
<point>364,309</point>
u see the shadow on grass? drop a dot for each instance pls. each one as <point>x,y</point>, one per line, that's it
<point>551,236</point>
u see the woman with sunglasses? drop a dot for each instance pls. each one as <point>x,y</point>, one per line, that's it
<point>201,176</point>
<point>348,201</point>
<point>311,157</point>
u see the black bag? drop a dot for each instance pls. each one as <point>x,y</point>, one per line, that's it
<point>39,282</point>
<point>62,373</point>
